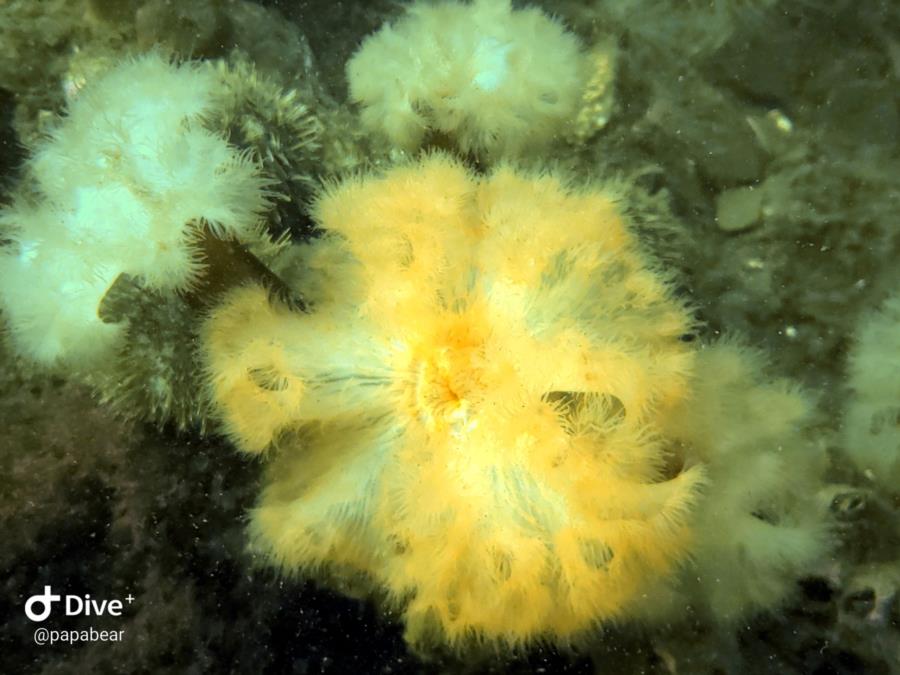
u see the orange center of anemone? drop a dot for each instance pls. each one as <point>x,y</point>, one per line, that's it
<point>448,373</point>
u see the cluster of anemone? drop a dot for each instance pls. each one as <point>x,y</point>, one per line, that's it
<point>484,413</point>
<point>496,424</point>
